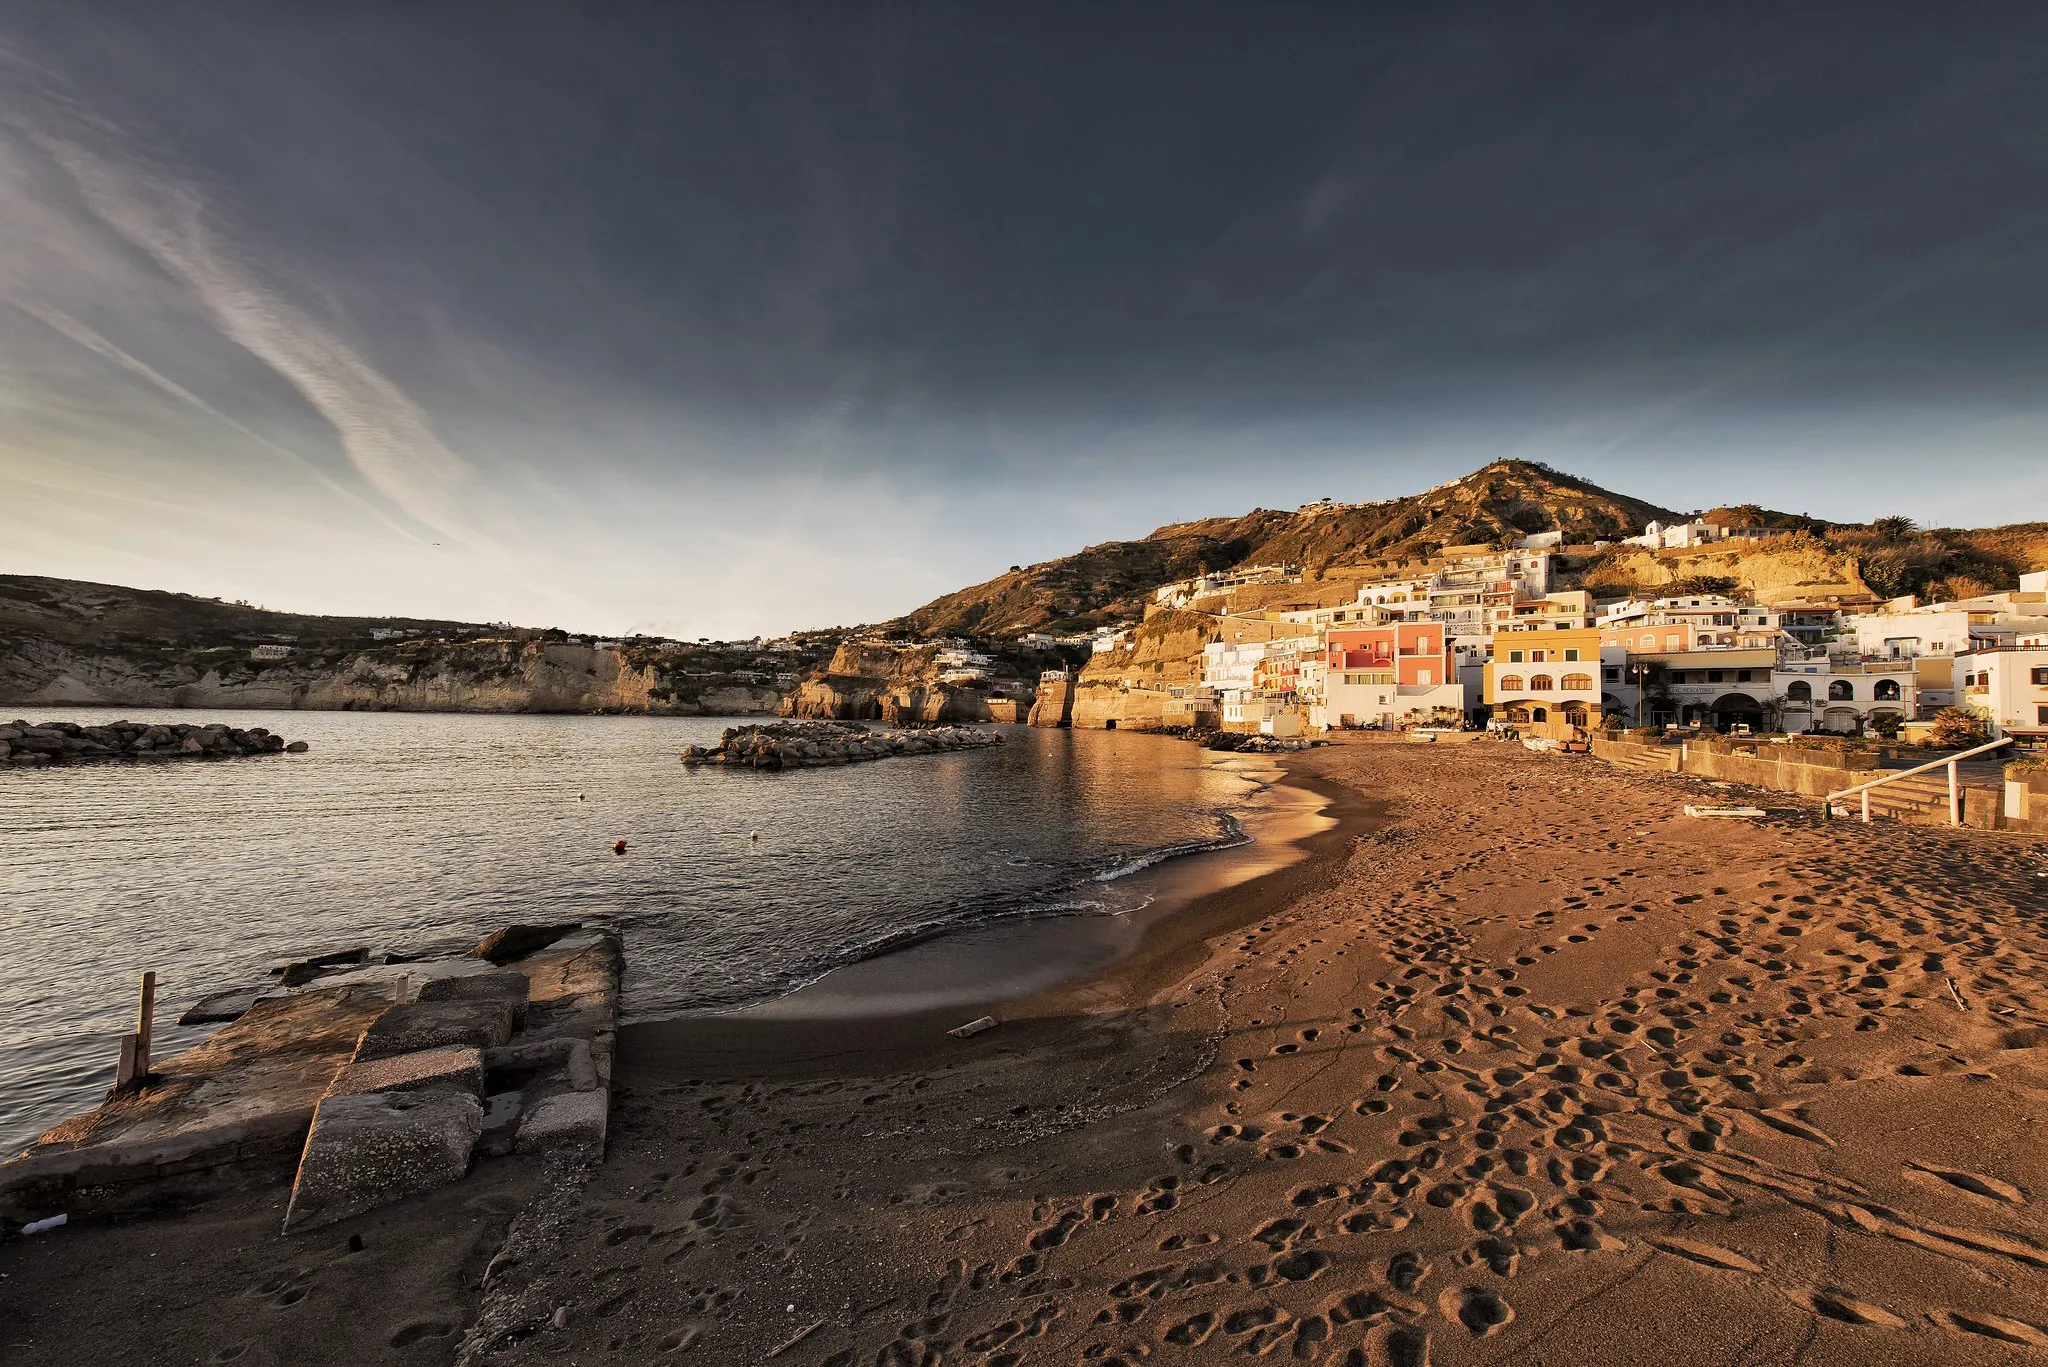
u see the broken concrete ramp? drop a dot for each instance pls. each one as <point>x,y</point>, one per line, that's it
<point>374,1148</point>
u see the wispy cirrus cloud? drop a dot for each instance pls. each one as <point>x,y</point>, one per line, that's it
<point>385,434</point>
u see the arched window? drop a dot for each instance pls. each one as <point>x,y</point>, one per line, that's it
<point>1841,690</point>
<point>1577,683</point>
<point>1540,684</point>
<point>1707,639</point>
<point>1887,690</point>
<point>1799,690</point>
<point>1510,683</point>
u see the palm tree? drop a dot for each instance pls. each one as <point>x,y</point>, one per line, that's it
<point>1894,528</point>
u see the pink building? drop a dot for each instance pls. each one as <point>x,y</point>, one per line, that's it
<point>1382,676</point>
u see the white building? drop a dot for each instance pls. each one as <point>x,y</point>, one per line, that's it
<point>271,653</point>
<point>1228,665</point>
<point>1818,693</point>
<point>2008,687</point>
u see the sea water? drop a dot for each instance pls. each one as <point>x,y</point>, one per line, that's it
<point>402,829</point>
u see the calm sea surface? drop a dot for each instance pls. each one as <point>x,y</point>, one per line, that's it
<point>401,828</point>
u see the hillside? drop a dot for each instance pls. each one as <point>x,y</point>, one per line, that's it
<point>1113,581</point>
<point>1505,501</point>
<point>70,642</point>
<point>79,613</point>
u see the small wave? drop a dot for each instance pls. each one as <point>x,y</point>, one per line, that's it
<point>1232,836</point>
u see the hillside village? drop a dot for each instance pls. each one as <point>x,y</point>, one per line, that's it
<point>1516,597</point>
<point>1734,620</point>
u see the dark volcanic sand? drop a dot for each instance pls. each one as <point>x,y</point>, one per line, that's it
<point>1537,1071</point>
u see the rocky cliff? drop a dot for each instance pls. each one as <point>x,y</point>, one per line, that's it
<point>67,642</point>
<point>468,676</point>
<point>872,680</point>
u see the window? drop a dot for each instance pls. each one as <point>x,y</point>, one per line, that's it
<point>1540,684</point>
<point>1887,690</point>
<point>1799,690</point>
<point>1536,656</point>
<point>1577,683</point>
<point>1510,683</point>
<point>1611,674</point>
<point>1571,653</point>
<point>2041,715</point>
<point>1514,657</point>
<point>1841,690</point>
<point>2041,676</point>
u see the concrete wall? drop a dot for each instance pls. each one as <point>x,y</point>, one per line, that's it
<point>1814,773</point>
<point>1635,755</point>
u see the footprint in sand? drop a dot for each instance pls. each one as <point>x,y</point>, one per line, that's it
<point>1839,1305</point>
<point>1482,1312</point>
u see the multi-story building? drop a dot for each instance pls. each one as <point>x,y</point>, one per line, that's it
<point>2008,686</point>
<point>1382,676</point>
<point>1548,680</point>
<point>1817,692</point>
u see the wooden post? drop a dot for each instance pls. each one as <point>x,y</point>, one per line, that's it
<point>145,1024</point>
<point>125,1072</point>
<point>1955,806</point>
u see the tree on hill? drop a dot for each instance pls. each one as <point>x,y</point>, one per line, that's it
<point>1894,528</point>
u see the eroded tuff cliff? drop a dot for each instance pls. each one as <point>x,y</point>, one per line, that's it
<point>870,680</point>
<point>438,676</point>
<point>69,642</point>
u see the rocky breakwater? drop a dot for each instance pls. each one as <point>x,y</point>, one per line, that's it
<point>796,745</point>
<point>29,744</point>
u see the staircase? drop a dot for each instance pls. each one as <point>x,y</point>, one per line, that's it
<point>1920,795</point>
<point>1648,758</point>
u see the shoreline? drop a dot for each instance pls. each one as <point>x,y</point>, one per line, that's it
<point>858,1010</point>
<point>1538,1070</point>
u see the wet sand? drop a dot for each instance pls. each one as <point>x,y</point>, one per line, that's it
<point>1519,1064</point>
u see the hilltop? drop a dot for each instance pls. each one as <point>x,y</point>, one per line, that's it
<point>1497,505</point>
<point>76,612</point>
<point>1112,582</point>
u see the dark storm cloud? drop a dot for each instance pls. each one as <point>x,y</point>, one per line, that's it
<point>519,245</point>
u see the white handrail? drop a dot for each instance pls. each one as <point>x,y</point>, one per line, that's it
<point>1955,816</point>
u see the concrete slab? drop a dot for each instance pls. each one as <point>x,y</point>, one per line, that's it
<point>415,1026</point>
<point>369,1150</point>
<point>220,1007</point>
<point>566,1120</point>
<point>247,1093</point>
<point>455,1069</point>
<point>502,985</point>
<point>574,994</point>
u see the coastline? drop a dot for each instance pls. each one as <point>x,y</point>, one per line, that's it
<point>1517,1063</point>
<point>880,1011</point>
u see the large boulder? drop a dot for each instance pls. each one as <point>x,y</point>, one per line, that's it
<point>370,1149</point>
<point>516,942</point>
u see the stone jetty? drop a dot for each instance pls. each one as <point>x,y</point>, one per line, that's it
<point>26,745</point>
<point>358,1078</point>
<point>802,744</point>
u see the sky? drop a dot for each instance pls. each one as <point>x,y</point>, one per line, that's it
<point>715,320</point>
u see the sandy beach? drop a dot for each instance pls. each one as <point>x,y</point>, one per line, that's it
<point>1513,1062</point>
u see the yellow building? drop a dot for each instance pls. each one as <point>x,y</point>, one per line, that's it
<point>1548,679</point>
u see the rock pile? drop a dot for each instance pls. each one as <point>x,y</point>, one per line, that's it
<point>798,744</point>
<point>27,744</point>
<point>1256,745</point>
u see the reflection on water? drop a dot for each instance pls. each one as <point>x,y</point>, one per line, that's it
<point>405,827</point>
